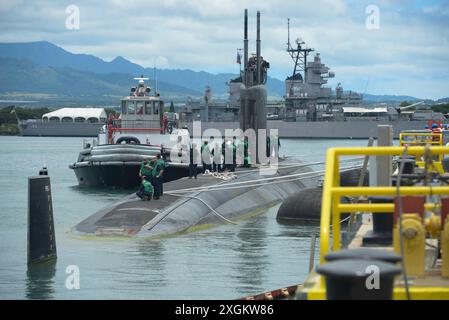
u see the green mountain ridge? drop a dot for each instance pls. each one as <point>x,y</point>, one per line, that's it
<point>43,68</point>
<point>27,77</point>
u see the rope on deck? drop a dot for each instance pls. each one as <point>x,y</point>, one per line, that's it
<point>206,204</point>
<point>250,183</point>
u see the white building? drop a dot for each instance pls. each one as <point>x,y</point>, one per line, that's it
<point>91,115</point>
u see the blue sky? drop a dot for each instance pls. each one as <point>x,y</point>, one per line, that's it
<point>408,54</point>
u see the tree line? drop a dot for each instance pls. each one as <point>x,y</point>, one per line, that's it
<point>8,117</point>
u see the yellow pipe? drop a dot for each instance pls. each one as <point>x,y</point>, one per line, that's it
<point>366,207</point>
<point>377,207</point>
<point>430,136</point>
<point>336,243</point>
<point>386,151</point>
<point>389,191</point>
<point>419,134</point>
<point>326,203</point>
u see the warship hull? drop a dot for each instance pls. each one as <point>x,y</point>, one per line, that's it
<point>59,129</point>
<point>351,129</point>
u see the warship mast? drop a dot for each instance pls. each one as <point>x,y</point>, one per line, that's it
<point>298,54</point>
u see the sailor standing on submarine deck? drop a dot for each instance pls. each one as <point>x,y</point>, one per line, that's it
<point>158,171</point>
<point>146,169</point>
<point>206,156</point>
<point>193,161</point>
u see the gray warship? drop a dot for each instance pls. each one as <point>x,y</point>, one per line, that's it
<point>65,122</point>
<point>309,108</point>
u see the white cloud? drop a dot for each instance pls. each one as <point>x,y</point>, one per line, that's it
<point>204,35</point>
<point>8,5</point>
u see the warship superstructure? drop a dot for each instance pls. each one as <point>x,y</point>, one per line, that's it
<point>310,108</point>
<point>306,97</point>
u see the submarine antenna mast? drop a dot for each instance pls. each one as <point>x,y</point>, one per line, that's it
<point>245,49</point>
<point>258,64</point>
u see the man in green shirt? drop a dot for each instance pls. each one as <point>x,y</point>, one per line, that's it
<point>158,179</point>
<point>146,169</point>
<point>146,189</point>
<point>246,153</point>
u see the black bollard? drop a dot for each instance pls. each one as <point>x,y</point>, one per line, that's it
<point>41,243</point>
<point>382,233</point>
<point>364,254</point>
<point>355,279</point>
<point>408,164</point>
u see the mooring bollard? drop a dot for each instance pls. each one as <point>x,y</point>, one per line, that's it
<point>359,279</point>
<point>41,244</point>
<point>364,254</point>
<point>382,233</point>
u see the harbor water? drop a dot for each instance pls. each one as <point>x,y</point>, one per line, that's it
<point>225,262</point>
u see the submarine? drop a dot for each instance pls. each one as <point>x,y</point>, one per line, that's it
<point>214,198</point>
<point>191,204</point>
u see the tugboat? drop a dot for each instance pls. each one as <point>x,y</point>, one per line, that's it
<point>114,158</point>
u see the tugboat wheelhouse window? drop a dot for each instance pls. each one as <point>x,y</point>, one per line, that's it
<point>148,107</point>
<point>124,111</point>
<point>131,108</point>
<point>80,119</point>
<point>139,107</point>
<point>92,120</point>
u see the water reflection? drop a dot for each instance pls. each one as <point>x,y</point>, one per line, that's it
<point>252,258</point>
<point>91,191</point>
<point>40,283</point>
<point>153,254</point>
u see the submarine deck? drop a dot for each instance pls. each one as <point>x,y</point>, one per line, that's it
<point>128,216</point>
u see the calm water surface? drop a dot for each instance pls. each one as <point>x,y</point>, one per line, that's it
<point>226,262</point>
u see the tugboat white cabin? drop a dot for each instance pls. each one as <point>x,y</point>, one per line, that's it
<point>137,134</point>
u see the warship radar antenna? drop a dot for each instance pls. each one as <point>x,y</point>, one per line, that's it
<point>298,54</point>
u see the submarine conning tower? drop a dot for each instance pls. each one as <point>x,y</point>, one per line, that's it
<point>253,94</point>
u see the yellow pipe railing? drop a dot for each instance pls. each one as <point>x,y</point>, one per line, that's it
<point>331,208</point>
<point>377,207</point>
<point>422,138</point>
